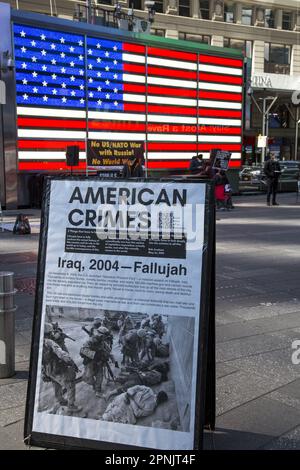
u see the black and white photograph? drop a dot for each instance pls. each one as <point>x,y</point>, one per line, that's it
<point>118,366</point>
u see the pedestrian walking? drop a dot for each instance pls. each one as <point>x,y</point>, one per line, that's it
<point>272,172</point>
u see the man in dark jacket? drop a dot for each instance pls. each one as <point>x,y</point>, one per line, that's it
<point>133,168</point>
<point>196,164</point>
<point>272,172</point>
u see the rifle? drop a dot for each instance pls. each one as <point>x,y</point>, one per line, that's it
<point>86,330</point>
<point>132,369</point>
<point>110,371</point>
<point>68,337</point>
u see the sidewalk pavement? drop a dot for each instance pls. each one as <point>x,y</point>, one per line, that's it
<point>258,317</point>
<point>19,255</point>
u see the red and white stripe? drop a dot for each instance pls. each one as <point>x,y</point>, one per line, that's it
<point>45,133</point>
<point>178,106</point>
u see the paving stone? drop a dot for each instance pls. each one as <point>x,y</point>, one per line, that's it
<point>21,374</point>
<point>223,369</point>
<point>239,387</point>
<point>12,394</point>
<point>288,394</point>
<point>225,438</point>
<point>255,273</point>
<point>244,347</point>
<point>23,338</point>
<point>288,441</point>
<point>224,319</point>
<point>257,421</point>
<point>15,432</point>
<point>280,322</point>
<point>22,353</point>
<point>269,308</point>
<point>11,415</point>
<point>9,442</point>
<point>236,330</point>
<point>275,367</point>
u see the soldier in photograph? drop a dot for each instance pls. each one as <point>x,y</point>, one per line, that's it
<point>147,346</point>
<point>90,330</point>
<point>96,354</point>
<point>158,325</point>
<point>131,376</point>
<point>137,402</point>
<point>59,336</point>
<point>59,369</point>
<point>129,347</point>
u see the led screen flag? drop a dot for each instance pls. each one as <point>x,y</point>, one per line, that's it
<point>178,103</point>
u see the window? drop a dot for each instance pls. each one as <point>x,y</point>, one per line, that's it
<point>195,37</point>
<point>287,20</point>
<point>136,4</point>
<point>229,13</point>
<point>277,58</point>
<point>204,9</point>
<point>159,6</point>
<point>247,16</point>
<point>269,18</point>
<point>158,32</point>
<point>184,7</point>
<point>241,45</point>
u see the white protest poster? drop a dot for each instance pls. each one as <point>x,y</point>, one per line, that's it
<point>119,326</point>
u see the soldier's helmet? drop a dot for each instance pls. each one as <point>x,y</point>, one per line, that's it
<point>97,322</point>
<point>103,330</point>
<point>142,333</point>
<point>48,329</point>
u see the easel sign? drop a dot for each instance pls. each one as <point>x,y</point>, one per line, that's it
<point>124,294</point>
<point>221,159</point>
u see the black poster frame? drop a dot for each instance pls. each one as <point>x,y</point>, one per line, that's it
<point>205,391</point>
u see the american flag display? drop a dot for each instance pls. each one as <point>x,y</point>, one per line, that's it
<point>71,88</point>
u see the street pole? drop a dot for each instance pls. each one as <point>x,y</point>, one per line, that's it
<point>296,133</point>
<point>263,129</point>
<point>267,131</point>
<point>89,11</point>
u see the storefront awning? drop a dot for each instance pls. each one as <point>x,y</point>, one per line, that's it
<point>275,82</point>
